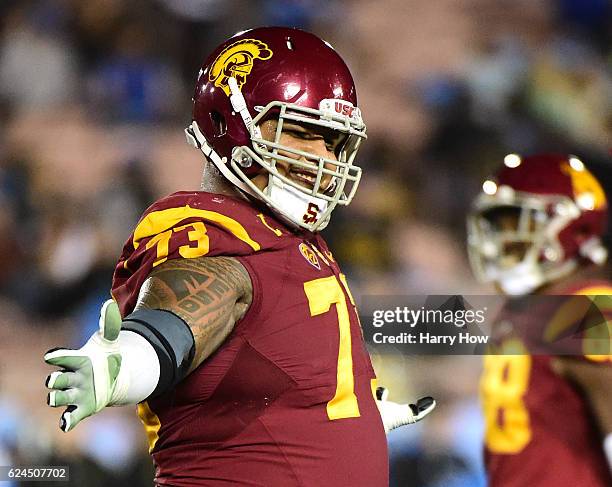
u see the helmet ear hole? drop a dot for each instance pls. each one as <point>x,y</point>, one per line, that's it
<point>219,123</point>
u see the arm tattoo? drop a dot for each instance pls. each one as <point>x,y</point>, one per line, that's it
<point>209,293</point>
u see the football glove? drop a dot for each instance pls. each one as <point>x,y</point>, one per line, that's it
<point>395,415</point>
<point>88,379</point>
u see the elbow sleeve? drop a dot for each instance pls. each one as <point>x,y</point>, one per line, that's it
<point>172,340</point>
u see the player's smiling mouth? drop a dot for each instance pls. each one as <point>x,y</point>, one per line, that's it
<point>307,179</point>
<point>304,178</point>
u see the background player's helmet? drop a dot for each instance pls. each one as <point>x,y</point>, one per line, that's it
<point>558,214</point>
<point>289,75</point>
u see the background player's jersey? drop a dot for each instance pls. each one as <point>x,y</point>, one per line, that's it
<point>539,429</point>
<point>287,399</point>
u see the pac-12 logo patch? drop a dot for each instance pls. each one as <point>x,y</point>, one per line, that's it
<point>236,60</point>
<point>309,255</point>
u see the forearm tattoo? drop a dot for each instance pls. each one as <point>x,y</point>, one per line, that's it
<point>209,293</point>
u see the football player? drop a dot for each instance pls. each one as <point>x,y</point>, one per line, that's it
<point>536,230</point>
<point>232,326</point>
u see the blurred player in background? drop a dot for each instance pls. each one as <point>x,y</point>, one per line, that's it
<point>239,336</point>
<point>536,230</point>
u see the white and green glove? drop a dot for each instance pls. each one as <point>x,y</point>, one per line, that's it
<point>395,415</point>
<point>89,376</point>
<point>114,368</point>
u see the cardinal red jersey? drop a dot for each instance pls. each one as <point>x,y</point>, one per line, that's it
<point>540,431</point>
<point>287,399</point>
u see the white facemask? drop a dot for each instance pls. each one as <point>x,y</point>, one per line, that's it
<point>296,206</point>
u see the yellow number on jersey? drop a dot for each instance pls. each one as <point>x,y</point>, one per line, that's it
<point>503,386</point>
<point>321,294</point>
<point>162,243</point>
<point>196,235</point>
<point>159,226</point>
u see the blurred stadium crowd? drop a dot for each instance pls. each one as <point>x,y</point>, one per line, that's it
<point>93,99</point>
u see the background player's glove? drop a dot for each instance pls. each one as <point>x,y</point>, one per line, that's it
<point>89,376</point>
<point>395,415</point>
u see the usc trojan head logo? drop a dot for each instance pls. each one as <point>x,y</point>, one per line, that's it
<point>236,60</point>
<point>588,192</point>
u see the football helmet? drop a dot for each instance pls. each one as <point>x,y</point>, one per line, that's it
<point>287,75</point>
<point>535,222</point>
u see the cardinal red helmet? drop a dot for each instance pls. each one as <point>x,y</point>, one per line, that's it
<point>536,221</point>
<point>289,75</point>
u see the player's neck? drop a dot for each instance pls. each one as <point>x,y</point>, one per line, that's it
<point>214,182</point>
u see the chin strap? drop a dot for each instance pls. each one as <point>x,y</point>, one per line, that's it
<point>196,139</point>
<point>240,106</point>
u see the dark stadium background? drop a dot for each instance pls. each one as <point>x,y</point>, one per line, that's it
<point>94,96</point>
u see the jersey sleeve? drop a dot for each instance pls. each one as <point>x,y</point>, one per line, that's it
<point>179,228</point>
<point>188,232</point>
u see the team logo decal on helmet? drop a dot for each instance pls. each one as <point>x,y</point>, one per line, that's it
<point>236,61</point>
<point>587,191</point>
